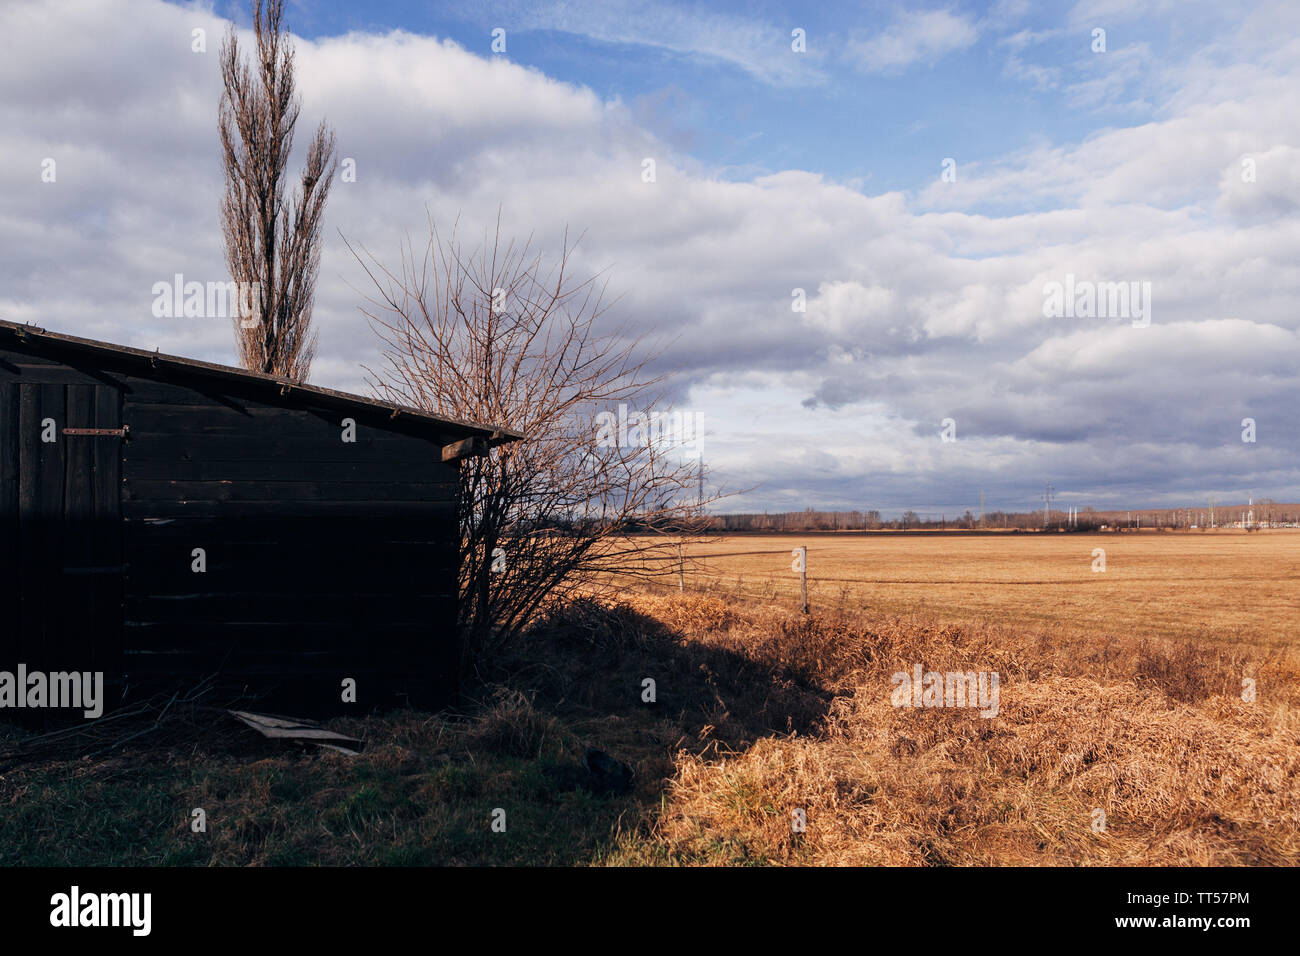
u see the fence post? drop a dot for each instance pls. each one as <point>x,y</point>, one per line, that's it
<point>681,572</point>
<point>803,577</point>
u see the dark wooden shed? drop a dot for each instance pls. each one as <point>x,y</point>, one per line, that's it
<point>163,520</point>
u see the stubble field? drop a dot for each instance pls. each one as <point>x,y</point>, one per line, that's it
<point>1230,586</point>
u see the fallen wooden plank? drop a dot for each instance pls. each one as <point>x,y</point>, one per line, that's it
<point>289,728</point>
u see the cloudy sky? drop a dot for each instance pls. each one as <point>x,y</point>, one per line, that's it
<point>923,173</point>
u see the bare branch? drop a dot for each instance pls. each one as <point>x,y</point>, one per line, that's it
<point>497,334</point>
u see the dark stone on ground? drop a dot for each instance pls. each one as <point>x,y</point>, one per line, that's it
<point>598,773</point>
<point>607,774</point>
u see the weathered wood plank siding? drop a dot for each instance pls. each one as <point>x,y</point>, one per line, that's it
<point>325,559</point>
<point>322,559</point>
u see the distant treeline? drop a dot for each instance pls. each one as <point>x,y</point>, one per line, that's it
<point>1263,513</point>
<point>814,520</point>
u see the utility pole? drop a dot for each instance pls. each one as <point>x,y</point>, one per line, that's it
<point>981,509</point>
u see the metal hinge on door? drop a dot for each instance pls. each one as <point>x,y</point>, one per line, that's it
<point>100,432</point>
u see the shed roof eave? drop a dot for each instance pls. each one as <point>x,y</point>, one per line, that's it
<point>30,337</point>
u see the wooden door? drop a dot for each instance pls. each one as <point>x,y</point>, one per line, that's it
<point>60,505</point>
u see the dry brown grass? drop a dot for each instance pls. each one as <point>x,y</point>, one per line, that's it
<point>760,711</point>
<point>1152,732</point>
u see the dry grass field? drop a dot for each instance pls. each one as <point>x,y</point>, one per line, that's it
<point>1224,585</point>
<point>1120,694</point>
<point>1151,732</point>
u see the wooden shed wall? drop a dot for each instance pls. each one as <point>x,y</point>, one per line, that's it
<point>325,559</point>
<point>61,565</point>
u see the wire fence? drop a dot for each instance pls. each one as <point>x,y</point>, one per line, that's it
<point>801,581</point>
<point>689,573</point>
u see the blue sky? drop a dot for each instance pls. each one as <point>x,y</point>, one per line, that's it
<point>721,82</point>
<point>777,172</point>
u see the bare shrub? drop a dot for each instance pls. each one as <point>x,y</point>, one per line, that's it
<point>495,334</point>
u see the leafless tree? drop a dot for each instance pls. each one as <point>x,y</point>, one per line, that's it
<point>271,246</point>
<point>494,335</point>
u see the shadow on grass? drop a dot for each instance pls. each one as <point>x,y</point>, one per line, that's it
<point>500,784</point>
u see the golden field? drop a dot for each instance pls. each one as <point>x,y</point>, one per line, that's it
<point>1224,585</point>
